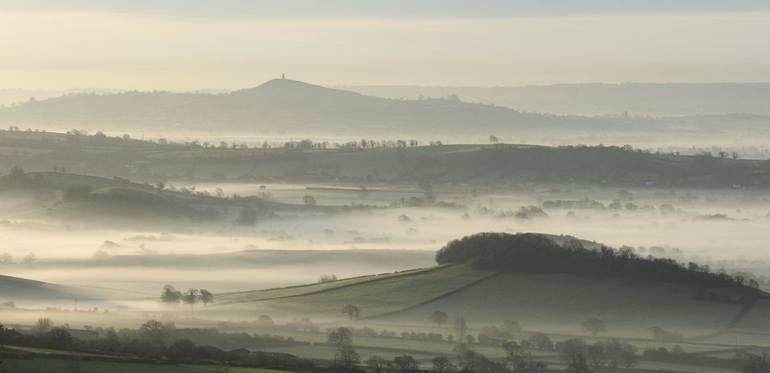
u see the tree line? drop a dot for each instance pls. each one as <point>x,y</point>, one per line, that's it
<point>154,342</point>
<point>190,297</point>
<point>536,253</point>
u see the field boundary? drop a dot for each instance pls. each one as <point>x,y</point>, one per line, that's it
<point>407,273</point>
<point>439,297</point>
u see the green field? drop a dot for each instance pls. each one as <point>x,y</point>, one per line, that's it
<point>293,291</point>
<point>374,296</point>
<point>67,366</point>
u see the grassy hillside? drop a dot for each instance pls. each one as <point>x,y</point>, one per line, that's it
<point>374,295</point>
<point>18,289</point>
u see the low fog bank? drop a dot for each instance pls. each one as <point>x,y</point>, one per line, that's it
<point>724,229</point>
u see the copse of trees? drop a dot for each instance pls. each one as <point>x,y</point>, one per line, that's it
<point>171,296</point>
<point>537,253</point>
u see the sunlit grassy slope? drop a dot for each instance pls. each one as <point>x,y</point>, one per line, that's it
<point>555,303</point>
<point>293,291</point>
<point>374,295</point>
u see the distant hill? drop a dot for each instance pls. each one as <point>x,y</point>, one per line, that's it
<point>663,99</point>
<point>278,105</point>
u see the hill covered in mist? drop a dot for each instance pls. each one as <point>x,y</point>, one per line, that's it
<point>277,105</point>
<point>656,99</point>
<point>15,289</point>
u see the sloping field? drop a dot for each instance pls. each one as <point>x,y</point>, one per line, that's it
<point>374,295</point>
<point>14,289</point>
<point>293,291</point>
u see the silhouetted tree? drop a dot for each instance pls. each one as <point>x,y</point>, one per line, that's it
<point>342,339</point>
<point>42,326</point>
<point>153,332</point>
<point>206,297</point>
<point>404,364</point>
<point>170,295</point>
<point>439,317</point>
<point>594,325</point>
<point>442,365</point>
<point>190,297</point>
<point>377,364</point>
<point>351,312</point>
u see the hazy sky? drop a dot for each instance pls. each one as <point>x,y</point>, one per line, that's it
<point>191,44</point>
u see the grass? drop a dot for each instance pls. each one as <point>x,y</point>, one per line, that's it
<point>373,296</point>
<point>48,351</point>
<point>61,365</point>
<point>293,291</point>
<point>559,302</point>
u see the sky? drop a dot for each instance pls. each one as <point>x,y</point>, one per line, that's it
<point>231,44</point>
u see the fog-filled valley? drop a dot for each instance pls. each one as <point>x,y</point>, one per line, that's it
<point>450,188</point>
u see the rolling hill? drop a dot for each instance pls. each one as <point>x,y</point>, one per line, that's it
<point>16,289</point>
<point>550,301</point>
<point>479,165</point>
<point>72,196</point>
